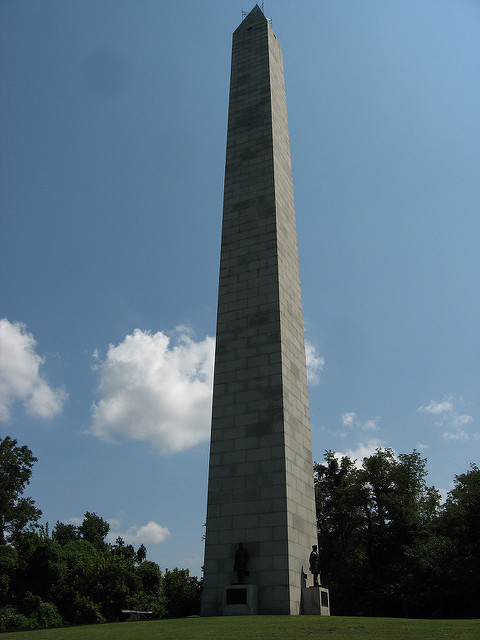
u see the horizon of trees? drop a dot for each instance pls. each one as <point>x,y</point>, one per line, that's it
<point>387,548</point>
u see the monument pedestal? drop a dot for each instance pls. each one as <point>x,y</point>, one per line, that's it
<point>240,600</point>
<point>315,601</point>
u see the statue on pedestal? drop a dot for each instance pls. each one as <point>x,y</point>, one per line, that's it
<point>314,562</point>
<point>241,562</point>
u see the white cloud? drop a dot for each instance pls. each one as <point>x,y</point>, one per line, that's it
<point>449,418</point>
<point>148,534</point>
<point>349,419</point>
<point>371,424</point>
<point>315,363</point>
<point>153,391</point>
<point>152,533</point>
<point>115,525</point>
<point>436,408</point>
<point>20,377</point>
<point>422,447</point>
<point>460,420</point>
<point>363,450</point>
<point>456,435</point>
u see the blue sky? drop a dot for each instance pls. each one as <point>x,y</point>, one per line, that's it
<point>113,122</point>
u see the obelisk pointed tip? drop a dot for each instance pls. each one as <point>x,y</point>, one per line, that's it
<point>255,16</point>
<point>256,9</point>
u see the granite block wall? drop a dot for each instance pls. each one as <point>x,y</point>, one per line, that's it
<point>260,488</point>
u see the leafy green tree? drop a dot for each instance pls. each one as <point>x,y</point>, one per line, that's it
<point>151,577</point>
<point>460,517</point>
<point>8,572</point>
<point>79,558</point>
<point>400,505</point>
<point>342,524</point>
<point>372,521</point>
<point>16,512</point>
<point>426,577</point>
<point>94,529</point>
<point>459,522</point>
<point>41,614</point>
<point>64,533</point>
<point>182,593</point>
<point>125,551</point>
<point>400,511</point>
<point>12,620</point>
<point>34,570</point>
<point>84,611</point>
<point>95,582</point>
<point>151,595</point>
<point>40,566</point>
<point>141,554</point>
<point>113,584</point>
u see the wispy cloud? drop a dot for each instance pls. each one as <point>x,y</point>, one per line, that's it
<point>362,431</point>
<point>350,421</point>
<point>155,389</point>
<point>315,363</point>
<point>460,420</point>
<point>450,418</point>
<point>20,377</point>
<point>422,447</point>
<point>456,435</point>
<point>436,408</point>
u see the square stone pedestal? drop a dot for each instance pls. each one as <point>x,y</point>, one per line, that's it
<point>240,600</point>
<point>315,601</point>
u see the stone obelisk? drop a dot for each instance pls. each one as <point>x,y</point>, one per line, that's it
<point>260,489</point>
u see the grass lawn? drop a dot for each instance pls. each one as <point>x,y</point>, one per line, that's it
<point>264,628</point>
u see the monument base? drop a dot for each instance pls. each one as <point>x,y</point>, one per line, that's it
<point>315,601</point>
<point>240,600</point>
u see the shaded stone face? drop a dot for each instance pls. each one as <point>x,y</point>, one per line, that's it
<point>261,474</point>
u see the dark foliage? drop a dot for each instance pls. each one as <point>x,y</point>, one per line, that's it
<point>182,593</point>
<point>386,546</point>
<point>73,576</point>
<point>16,512</point>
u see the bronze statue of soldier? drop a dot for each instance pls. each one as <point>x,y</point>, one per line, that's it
<point>240,563</point>
<point>314,562</point>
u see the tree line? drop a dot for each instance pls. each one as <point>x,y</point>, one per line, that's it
<point>388,547</point>
<point>71,575</point>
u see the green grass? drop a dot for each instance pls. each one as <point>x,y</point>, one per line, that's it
<point>264,628</point>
